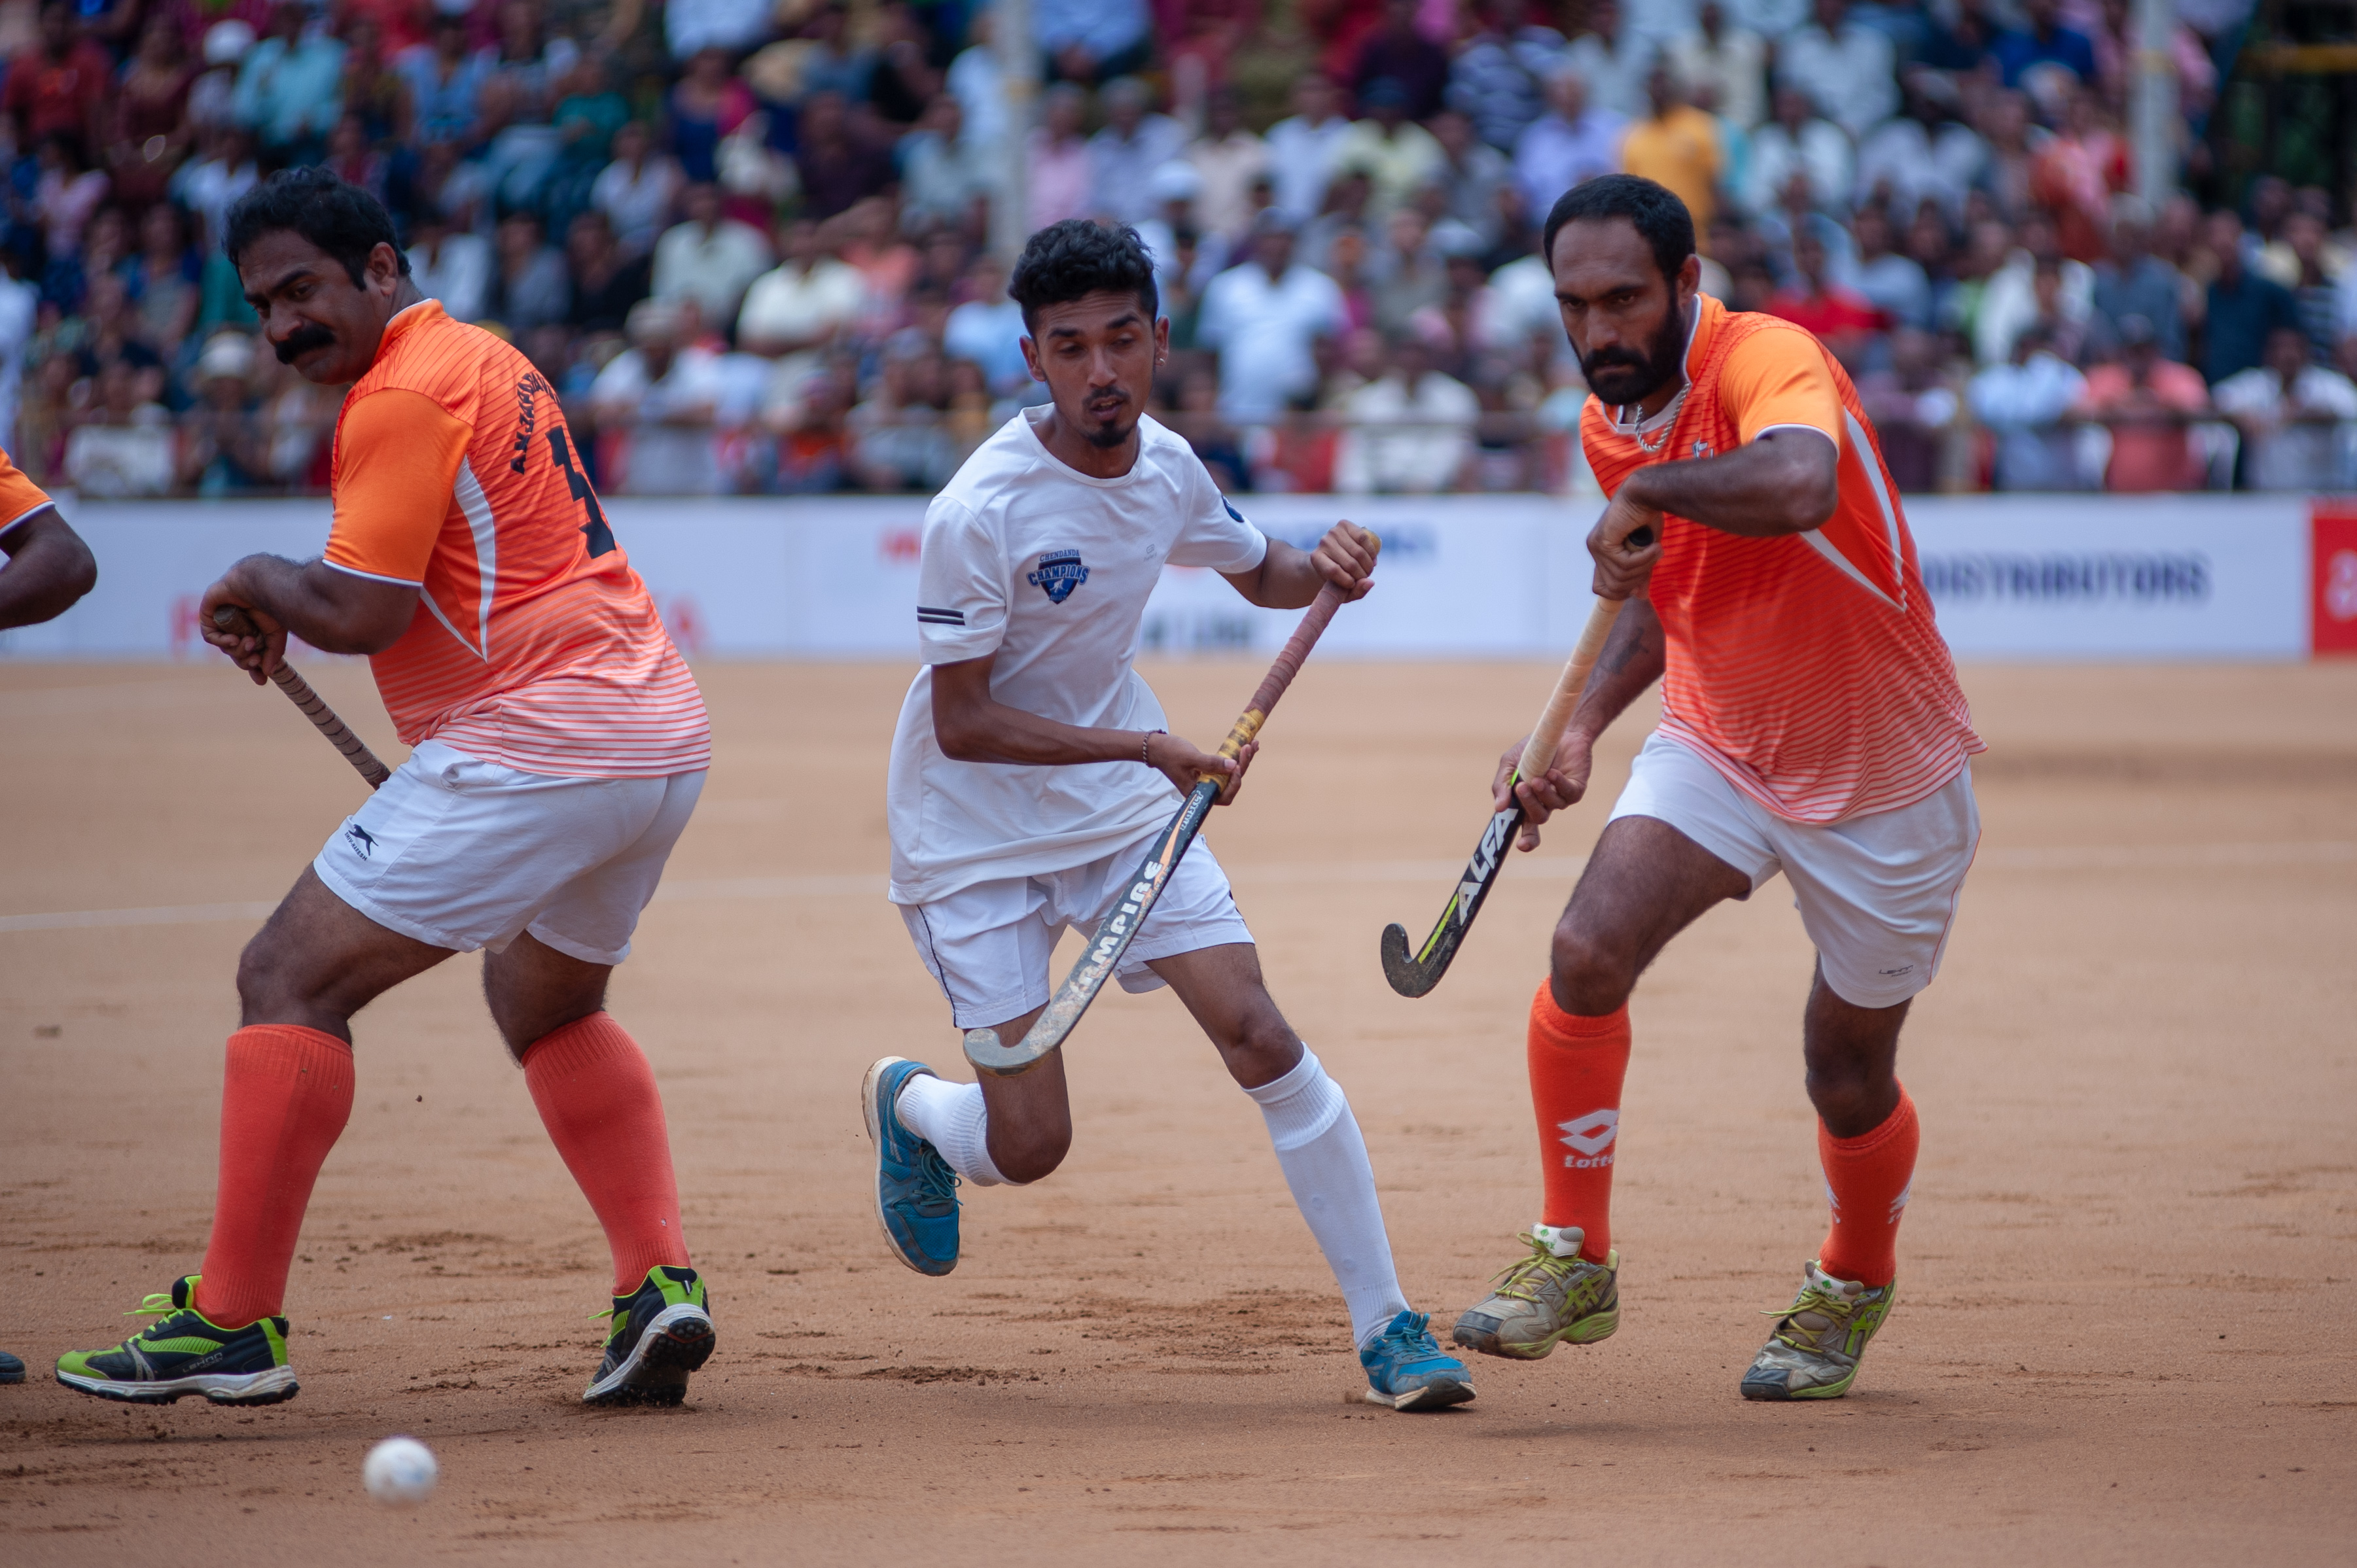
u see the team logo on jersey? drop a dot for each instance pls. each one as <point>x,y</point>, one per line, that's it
<point>1059,572</point>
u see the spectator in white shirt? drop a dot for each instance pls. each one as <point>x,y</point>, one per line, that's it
<point>1229,158</point>
<point>2020,399</point>
<point>988,330</point>
<point>1572,142</point>
<point>973,78</point>
<point>1615,60</point>
<point>1123,156</point>
<point>1894,283</point>
<point>1400,157</point>
<point>1301,150</point>
<point>2009,303</point>
<point>1418,427</point>
<point>1057,158</point>
<point>1728,63</point>
<point>451,265</point>
<point>660,395</point>
<point>1471,176</point>
<point>1924,154</point>
<point>709,259</point>
<point>942,172</point>
<point>802,306</point>
<point>690,25</point>
<point>1849,70</point>
<point>2291,411</point>
<point>1263,318</point>
<point>1795,143</point>
<point>637,190</point>
<point>1090,40</point>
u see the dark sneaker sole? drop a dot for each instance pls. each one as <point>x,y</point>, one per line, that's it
<point>1477,1332</point>
<point>1433,1396</point>
<point>265,1388</point>
<point>910,1255</point>
<point>1773,1389</point>
<point>678,1342</point>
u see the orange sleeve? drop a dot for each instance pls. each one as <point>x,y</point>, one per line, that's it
<point>19,497</point>
<point>398,458</point>
<point>1775,378</point>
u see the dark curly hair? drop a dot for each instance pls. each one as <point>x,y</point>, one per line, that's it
<point>339,218</point>
<point>1653,211</point>
<point>1076,257</point>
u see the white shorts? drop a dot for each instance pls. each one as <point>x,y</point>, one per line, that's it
<point>465,854</point>
<point>989,945</point>
<point>1876,894</point>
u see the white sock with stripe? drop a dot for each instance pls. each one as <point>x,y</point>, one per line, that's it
<point>951,1118</point>
<point>1324,1157</point>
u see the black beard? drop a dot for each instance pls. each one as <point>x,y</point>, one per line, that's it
<point>1620,377</point>
<point>302,342</point>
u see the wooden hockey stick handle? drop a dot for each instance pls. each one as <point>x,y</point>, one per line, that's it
<point>1287,664</point>
<point>237,623</point>
<point>1564,700</point>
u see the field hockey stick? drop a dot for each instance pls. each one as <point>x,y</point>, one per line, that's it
<point>1119,927</point>
<point>236,623</point>
<point>1414,974</point>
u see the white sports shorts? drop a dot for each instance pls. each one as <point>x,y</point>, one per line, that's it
<point>465,854</point>
<point>1876,894</point>
<point>989,945</point>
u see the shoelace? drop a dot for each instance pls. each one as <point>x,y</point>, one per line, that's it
<point>936,1180</point>
<point>1511,1279</point>
<point>1413,1336</point>
<point>1811,1299</point>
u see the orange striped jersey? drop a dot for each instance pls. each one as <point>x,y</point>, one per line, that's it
<point>19,497</point>
<point>538,647</point>
<point>1806,668</point>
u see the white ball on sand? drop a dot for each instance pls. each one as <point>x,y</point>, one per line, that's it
<point>400,1470</point>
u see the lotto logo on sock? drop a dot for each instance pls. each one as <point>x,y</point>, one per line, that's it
<point>1588,1138</point>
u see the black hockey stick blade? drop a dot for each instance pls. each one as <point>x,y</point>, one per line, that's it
<point>1103,955</point>
<point>1414,974</point>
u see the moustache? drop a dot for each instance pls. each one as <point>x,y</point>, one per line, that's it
<point>302,342</point>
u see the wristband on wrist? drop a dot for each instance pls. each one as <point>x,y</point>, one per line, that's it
<point>1144,741</point>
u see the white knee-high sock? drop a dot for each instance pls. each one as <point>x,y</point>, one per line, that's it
<point>951,1117</point>
<point>1325,1161</point>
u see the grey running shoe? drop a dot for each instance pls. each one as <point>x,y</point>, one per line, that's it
<point>1546,1299</point>
<point>1814,1351</point>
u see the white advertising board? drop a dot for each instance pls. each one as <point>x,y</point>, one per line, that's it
<point>1494,576</point>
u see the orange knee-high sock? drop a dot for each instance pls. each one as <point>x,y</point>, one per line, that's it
<point>1577,1066</point>
<point>1869,1177</point>
<point>286,1095</point>
<point>598,1099</point>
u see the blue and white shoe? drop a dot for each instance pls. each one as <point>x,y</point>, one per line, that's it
<point>916,1190</point>
<point>1407,1370</point>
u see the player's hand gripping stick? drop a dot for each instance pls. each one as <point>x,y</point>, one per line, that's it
<point>1415,974</point>
<point>1119,927</point>
<point>237,623</point>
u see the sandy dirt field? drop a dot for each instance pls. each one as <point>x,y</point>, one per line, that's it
<point>2126,1304</point>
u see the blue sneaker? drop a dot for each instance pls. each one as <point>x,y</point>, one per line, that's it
<point>1407,1371</point>
<point>915,1191</point>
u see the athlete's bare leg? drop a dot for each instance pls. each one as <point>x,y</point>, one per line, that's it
<point>317,961</point>
<point>534,991</point>
<point>1852,1054</point>
<point>1646,883</point>
<point>1030,1116</point>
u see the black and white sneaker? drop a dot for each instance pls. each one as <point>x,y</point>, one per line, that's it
<point>660,1334</point>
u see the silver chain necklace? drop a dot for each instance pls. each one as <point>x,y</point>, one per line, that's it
<point>1669,423</point>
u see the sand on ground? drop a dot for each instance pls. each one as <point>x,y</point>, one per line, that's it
<point>2126,1304</point>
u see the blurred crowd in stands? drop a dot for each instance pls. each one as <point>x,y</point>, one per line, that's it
<point>748,239</point>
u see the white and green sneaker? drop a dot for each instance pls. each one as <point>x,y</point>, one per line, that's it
<point>1552,1297</point>
<point>184,1353</point>
<point>1814,1351</point>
